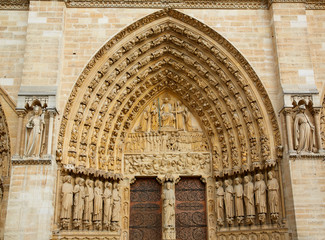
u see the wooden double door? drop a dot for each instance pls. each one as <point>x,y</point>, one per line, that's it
<point>146,210</point>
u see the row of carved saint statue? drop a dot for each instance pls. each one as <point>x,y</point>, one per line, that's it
<point>84,206</point>
<point>247,201</point>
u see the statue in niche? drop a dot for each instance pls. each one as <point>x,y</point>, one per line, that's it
<point>98,204</point>
<point>79,201</point>
<point>273,195</point>
<point>180,120</point>
<point>154,117</point>
<point>144,121</point>
<point>219,203</point>
<point>249,199</point>
<point>67,201</point>
<point>168,197</point>
<point>89,203</point>
<point>116,207</point>
<point>34,138</point>
<point>304,132</point>
<point>239,206</point>
<point>260,196</point>
<point>229,201</point>
<point>107,204</point>
<point>167,116</point>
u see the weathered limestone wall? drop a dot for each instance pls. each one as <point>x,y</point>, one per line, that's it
<point>44,43</point>
<point>13,25</point>
<point>292,46</point>
<point>316,39</point>
<point>31,202</point>
<point>308,184</point>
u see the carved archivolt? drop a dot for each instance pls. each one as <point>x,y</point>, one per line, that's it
<point>4,147</point>
<point>169,52</point>
<point>5,156</point>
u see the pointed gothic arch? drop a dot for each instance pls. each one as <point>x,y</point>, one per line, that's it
<point>167,52</point>
<point>171,50</point>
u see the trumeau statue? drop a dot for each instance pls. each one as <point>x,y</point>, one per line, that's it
<point>79,201</point>
<point>89,203</point>
<point>273,196</point>
<point>107,204</point>
<point>229,201</point>
<point>67,201</point>
<point>168,197</point>
<point>304,132</point>
<point>219,203</point>
<point>34,138</point>
<point>249,199</point>
<point>239,206</point>
<point>116,207</point>
<point>260,196</point>
<point>98,204</point>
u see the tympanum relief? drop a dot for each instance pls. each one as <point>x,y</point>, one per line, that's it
<point>166,139</point>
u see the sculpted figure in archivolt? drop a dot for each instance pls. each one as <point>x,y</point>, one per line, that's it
<point>34,133</point>
<point>303,131</point>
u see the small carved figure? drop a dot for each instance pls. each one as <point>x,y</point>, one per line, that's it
<point>249,199</point>
<point>107,204</point>
<point>34,139</point>
<point>304,132</point>
<point>154,117</point>
<point>144,121</point>
<point>260,196</point>
<point>273,195</point>
<point>239,206</point>
<point>180,121</point>
<point>89,203</point>
<point>229,201</point>
<point>116,207</point>
<point>219,203</point>
<point>167,117</point>
<point>188,120</point>
<point>67,201</point>
<point>98,204</point>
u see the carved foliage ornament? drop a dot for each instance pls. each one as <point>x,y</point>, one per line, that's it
<point>107,115</point>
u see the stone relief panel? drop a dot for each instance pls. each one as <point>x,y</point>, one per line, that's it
<point>166,139</point>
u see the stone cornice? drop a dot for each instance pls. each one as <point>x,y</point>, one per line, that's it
<point>176,4</point>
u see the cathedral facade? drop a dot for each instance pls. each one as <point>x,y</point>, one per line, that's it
<point>172,120</point>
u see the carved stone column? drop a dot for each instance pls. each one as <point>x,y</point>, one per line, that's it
<point>288,116</point>
<point>317,129</point>
<point>21,114</point>
<point>52,114</point>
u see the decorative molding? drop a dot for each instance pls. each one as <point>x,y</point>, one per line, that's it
<point>177,4</point>
<point>44,160</point>
<point>14,5</point>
